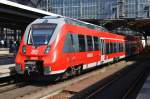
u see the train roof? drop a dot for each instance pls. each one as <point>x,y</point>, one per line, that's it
<point>76,22</point>
<point>83,24</point>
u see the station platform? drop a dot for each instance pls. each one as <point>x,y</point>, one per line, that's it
<point>4,51</point>
<point>7,70</point>
<point>145,91</point>
<point>7,64</point>
<point>6,59</point>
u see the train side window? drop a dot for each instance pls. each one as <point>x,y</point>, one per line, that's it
<point>96,43</point>
<point>110,47</point>
<point>107,48</point>
<point>89,43</point>
<point>99,43</point>
<point>115,48</point>
<point>103,46</point>
<point>81,39</point>
<point>123,46</point>
<point>119,48</point>
<point>68,44</point>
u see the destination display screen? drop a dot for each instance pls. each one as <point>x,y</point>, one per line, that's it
<point>43,26</point>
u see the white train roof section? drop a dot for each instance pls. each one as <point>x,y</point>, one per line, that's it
<point>20,6</point>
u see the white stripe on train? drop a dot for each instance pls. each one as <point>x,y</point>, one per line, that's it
<point>90,65</point>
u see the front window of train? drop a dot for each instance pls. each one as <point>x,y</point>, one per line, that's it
<point>40,34</point>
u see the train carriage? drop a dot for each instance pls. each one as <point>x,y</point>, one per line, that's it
<point>58,45</point>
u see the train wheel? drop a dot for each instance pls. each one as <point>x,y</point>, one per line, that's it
<point>115,60</point>
<point>73,71</point>
<point>19,78</point>
<point>57,78</point>
<point>66,75</point>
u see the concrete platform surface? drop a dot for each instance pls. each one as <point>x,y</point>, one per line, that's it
<point>4,51</point>
<point>7,70</point>
<point>145,91</point>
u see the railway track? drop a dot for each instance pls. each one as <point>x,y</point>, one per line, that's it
<point>123,86</point>
<point>12,87</point>
<point>113,88</point>
<point>10,83</point>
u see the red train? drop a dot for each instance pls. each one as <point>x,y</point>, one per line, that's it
<point>58,45</point>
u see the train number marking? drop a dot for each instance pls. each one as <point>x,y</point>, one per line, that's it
<point>90,55</point>
<point>35,52</point>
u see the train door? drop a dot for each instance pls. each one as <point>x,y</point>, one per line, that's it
<point>69,49</point>
<point>102,50</point>
<point>75,47</point>
<point>73,56</point>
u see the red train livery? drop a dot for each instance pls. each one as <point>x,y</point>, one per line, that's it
<point>59,45</point>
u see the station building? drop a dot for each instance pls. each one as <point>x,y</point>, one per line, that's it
<point>98,9</point>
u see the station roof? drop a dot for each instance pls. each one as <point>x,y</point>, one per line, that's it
<point>27,8</point>
<point>138,24</point>
<point>17,15</point>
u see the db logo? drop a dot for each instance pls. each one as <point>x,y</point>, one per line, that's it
<point>35,52</point>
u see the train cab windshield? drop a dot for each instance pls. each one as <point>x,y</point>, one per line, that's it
<point>40,34</point>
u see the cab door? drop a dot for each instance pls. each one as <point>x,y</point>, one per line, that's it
<point>69,49</point>
<point>74,40</point>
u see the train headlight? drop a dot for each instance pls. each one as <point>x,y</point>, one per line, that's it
<point>47,50</point>
<point>24,49</point>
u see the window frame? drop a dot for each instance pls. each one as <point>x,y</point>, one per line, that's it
<point>90,45</point>
<point>79,40</point>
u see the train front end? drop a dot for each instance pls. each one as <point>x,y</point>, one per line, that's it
<point>36,51</point>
